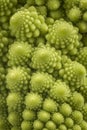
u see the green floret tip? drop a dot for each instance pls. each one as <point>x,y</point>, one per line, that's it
<point>28,115</point>
<point>76,101</point>
<point>69,122</point>
<point>58,118</point>
<point>56,14</point>
<point>30,2</point>
<point>2,78</point>
<point>83,88</point>
<point>39,2</point>
<point>50,105</point>
<point>83,125</point>
<point>83,4</point>
<point>43,116</point>
<point>73,74</point>
<point>15,128</point>
<point>76,127</point>
<point>42,10</point>
<point>14,119</point>
<point>7,8</point>
<point>68,4</point>
<point>50,125</point>
<point>60,91</point>
<point>65,109</point>
<point>33,101</point>
<point>85,16</point>
<point>61,38</point>
<point>27,25</point>
<point>38,125</point>
<point>26,125</point>
<point>19,54</point>
<point>82,26</point>
<point>53,4</point>
<point>5,41</point>
<point>77,116</point>
<point>46,59</point>
<point>84,111</point>
<point>4,124</point>
<point>15,102</point>
<point>17,78</point>
<point>41,82</point>
<point>82,56</point>
<point>62,127</point>
<point>74,14</point>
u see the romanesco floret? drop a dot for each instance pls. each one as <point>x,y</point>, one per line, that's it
<point>33,101</point>
<point>44,116</point>
<point>74,14</point>
<point>43,64</point>
<point>7,8</point>
<point>46,58</point>
<point>84,111</point>
<point>15,102</point>
<point>29,115</point>
<point>26,125</point>
<point>14,118</point>
<point>83,88</point>
<point>82,56</point>
<point>4,124</point>
<point>83,125</point>
<point>5,41</point>
<point>41,82</point>
<point>65,109</point>
<point>61,38</point>
<point>68,4</point>
<point>73,74</point>
<point>59,91</point>
<point>83,4</point>
<point>18,79</point>
<point>50,105</point>
<point>19,54</point>
<point>76,101</point>
<point>26,25</point>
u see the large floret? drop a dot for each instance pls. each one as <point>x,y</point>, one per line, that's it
<point>63,35</point>
<point>18,79</point>
<point>82,56</point>
<point>41,82</point>
<point>60,91</point>
<point>7,8</point>
<point>27,25</point>
<point>73,74</point>
<point>46,59</point>
<point>19,54</point>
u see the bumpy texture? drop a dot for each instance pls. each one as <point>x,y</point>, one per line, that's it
<point>41,82</point>
<point>43,64</point>
<point>7,8</point>
<point>18,79</point>
<point>60,91</point>
<point>27,25</point>
<point>61,38</point>
<point>15,102</point>
<point>76,101</point>
<point>46,59</point>
<point>5,42</point>
<point>82,56</point>
<point>33,101</point>
<point>19,54</point>
<point>73,74</point>
<point>74,14</point>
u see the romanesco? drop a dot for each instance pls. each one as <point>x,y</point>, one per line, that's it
<point>43,64</point>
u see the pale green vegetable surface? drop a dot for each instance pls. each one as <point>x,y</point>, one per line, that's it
<point>43,64</point>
